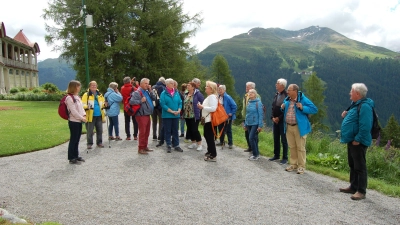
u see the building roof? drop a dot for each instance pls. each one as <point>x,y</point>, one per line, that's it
<point>23,39</point>
<point>20,37</point>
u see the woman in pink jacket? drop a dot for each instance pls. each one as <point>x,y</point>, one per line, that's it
<point>77,116</point>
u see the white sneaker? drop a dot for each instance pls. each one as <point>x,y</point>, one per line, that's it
<point>193,145</point>
<point>199,148</point>
<point>253,158</point>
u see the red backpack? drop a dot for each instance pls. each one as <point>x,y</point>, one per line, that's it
<point>129,109</point>
<point>63,109</point>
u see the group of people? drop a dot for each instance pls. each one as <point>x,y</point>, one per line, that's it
<point>167,106</point>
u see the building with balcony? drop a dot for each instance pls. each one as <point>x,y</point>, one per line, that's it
<point>18,61</point>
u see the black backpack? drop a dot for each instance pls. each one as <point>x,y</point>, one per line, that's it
<point>376,128</point>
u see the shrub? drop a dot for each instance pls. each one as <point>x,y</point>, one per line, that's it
<point>49,87</point>
<point>23,89</point>
<point>36,90</point>
<point>14,90</point>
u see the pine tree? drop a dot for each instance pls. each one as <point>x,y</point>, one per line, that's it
<point>142,38</point>
<point>221,74</point>
<point>391,132</point>
<point>314,90</point>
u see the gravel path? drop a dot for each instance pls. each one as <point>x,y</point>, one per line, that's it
<point>117,186</point>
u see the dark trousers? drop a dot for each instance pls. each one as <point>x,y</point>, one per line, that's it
<point>192,127</point>
<point>209,136</point>
<point>75,131</point>
<point>358,167</point>
<point>246,134</point>
<point>227,130</point>
<point>128,125</point>
<point>280,137</point>
<point>157,115</point>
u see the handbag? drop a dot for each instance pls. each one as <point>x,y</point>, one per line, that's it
<point>218,117</point>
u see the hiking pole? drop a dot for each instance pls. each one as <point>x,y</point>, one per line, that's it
<point>87,146</point>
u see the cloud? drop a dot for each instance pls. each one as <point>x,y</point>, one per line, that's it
<point>369,21</point>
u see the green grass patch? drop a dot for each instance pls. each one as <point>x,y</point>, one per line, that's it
<point>30,126</point>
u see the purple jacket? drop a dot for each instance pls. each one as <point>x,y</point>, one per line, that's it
<point>197,97</point>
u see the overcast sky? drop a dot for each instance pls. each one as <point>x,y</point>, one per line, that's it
<point>370,21</point>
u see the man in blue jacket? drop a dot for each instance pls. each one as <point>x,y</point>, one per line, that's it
<point>230,109</point>
<point>296,108</point>
<point>356,132</point>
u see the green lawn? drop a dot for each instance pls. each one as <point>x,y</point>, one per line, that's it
<point>30,126</point>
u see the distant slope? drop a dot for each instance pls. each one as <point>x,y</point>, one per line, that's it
<point>56,71</point>
<point>265,55</point>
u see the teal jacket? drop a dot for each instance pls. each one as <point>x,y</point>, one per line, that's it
<point>170,102</point>
<point>254,113</point>
<point>356,126</point>
<point>303,122</point>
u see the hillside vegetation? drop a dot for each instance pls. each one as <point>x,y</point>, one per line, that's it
<point>265,55</point>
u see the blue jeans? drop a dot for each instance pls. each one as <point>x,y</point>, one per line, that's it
<point>182,125</point>
<point>113,124</point>
<point>253,139</point>
<point>280,136</point>
<point>170,126</point>
<point>75,132</point>
<point>98,123</point>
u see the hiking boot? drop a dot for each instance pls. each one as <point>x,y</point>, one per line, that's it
<point>74,161</point>
<point>219,144</point>
<point>230,146</point>
<point>154,137</point>
<point>358,196</point>
<point>89,147</point>
<point>347,190</point>
<point>290,168</point>
<point>118,138</point>
<point>100,145</point>
<point>80,159</point>
<point>210,159</point>
<point>169,149</point>
<point>148,150</point>
<point>283,161</point>
<point>135,138</point>
<point>248,150</point>
<point>178,149</point>
<point>159,144</point>
<point>128,138</point>
<point>274,158</point>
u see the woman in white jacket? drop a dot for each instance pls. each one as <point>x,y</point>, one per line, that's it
<point>77,116</point>
<point>209,105</point>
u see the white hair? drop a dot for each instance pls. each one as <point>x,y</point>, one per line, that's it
<point>251,84</point>
<point>223,87</point>
<point>282,81</point>
<point>169,80</point>
<point>360,88</point>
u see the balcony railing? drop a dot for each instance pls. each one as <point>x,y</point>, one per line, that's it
<point>18,64</point>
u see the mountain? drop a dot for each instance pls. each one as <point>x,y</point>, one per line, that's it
<point>56,71</point>
<point>265,55</point>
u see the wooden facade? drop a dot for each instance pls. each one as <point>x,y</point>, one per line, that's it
<point>18,61</point>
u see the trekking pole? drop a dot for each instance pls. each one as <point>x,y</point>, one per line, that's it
<point>87,147</point>
<point>109,145</point>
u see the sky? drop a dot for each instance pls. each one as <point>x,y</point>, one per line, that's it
<point>369,21</point>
